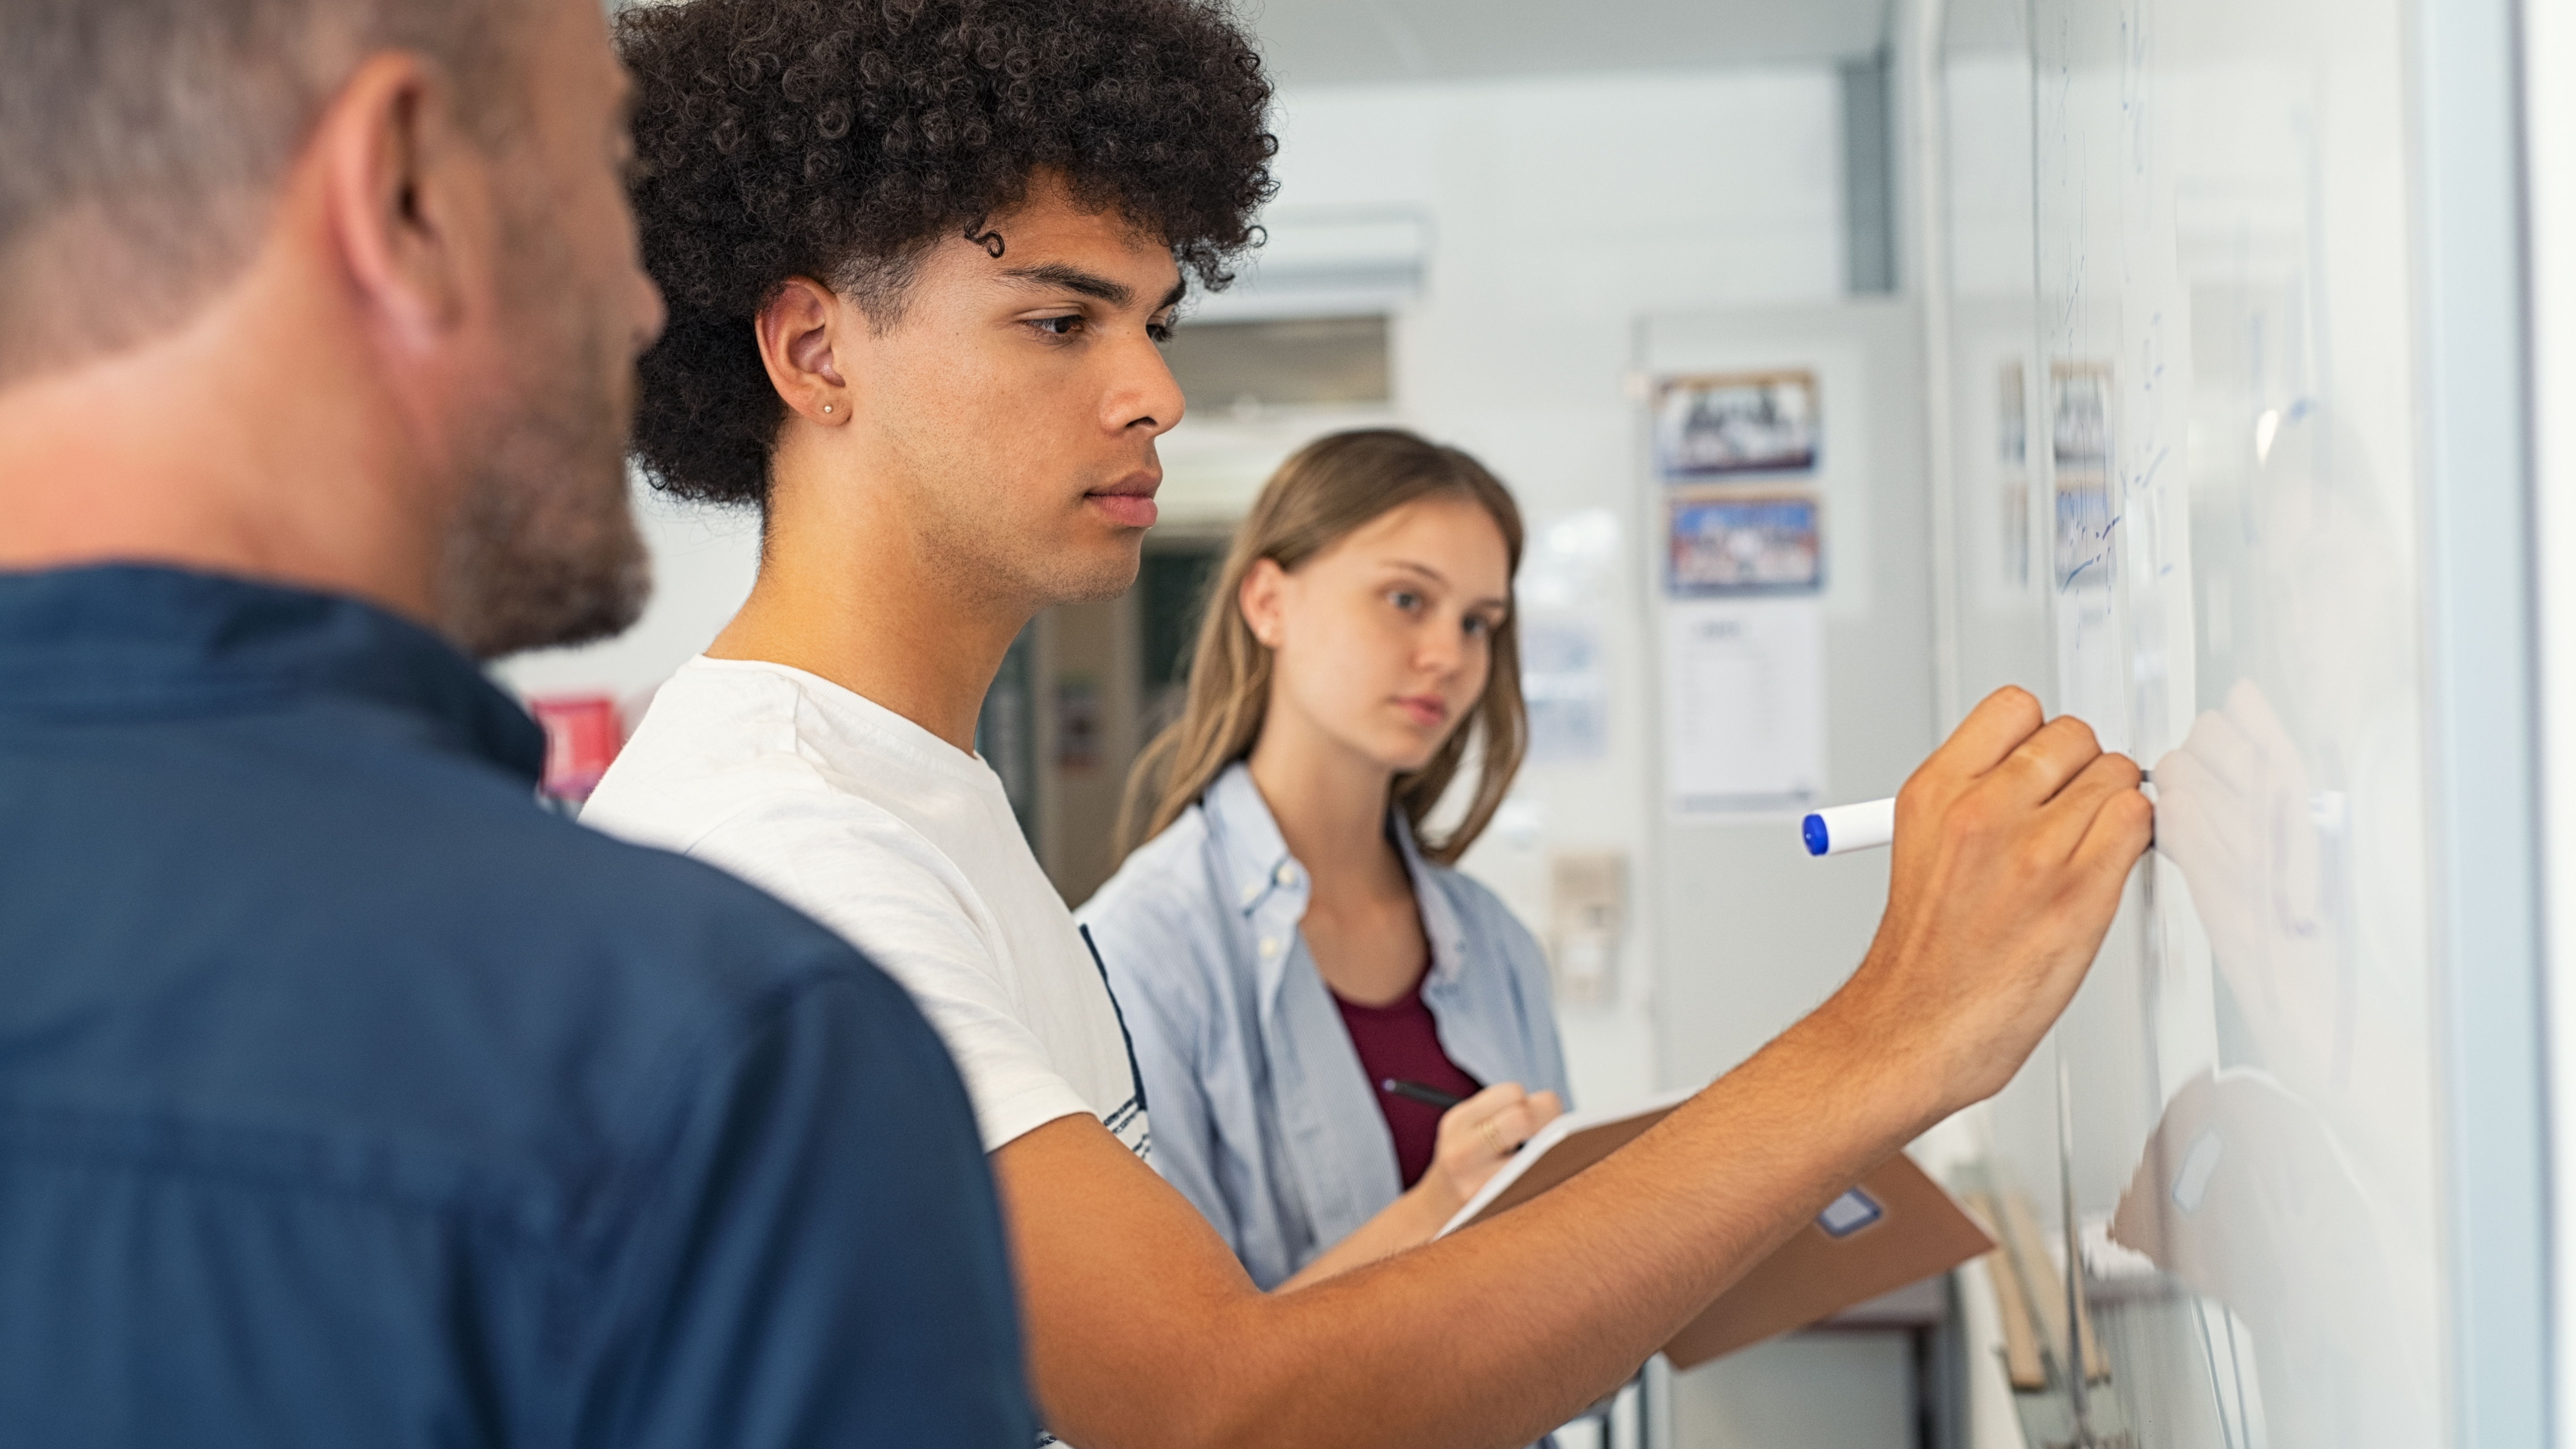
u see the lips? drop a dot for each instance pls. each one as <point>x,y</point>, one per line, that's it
<point>1129,502</point>
<point>1426,710</point>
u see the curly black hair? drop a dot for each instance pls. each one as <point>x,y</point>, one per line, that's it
<point>840,139</point>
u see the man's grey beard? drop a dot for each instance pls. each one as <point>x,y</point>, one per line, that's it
<point>545,551</point>
<point>529,567</point>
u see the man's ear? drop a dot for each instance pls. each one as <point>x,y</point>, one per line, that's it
<point>1259,599</point>
<point>797,332</point>
<point>408,194</point>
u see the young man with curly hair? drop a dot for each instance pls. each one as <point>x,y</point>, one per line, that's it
<point>920,255</point>
<point>348,1097</point>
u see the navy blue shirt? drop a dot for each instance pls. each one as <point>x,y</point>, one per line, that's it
<point>348,1098</point>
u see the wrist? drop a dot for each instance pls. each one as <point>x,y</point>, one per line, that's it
<point>1883,1072</point>
<point>1436,1198</point>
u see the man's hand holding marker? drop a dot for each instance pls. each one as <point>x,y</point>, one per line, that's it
<point>2012,844</point>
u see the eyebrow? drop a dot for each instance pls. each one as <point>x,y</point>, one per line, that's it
<point>1059,277</point>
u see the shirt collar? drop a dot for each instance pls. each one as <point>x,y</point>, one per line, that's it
<point>1257,861</point>
<point>129,640</point>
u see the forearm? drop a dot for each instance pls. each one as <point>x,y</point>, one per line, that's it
<point>1408,1222</point>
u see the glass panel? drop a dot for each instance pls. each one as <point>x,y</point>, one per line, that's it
<point>1994,369</point>
<point>2212,428</point>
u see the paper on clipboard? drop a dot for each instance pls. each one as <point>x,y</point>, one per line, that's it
<point>1894,1228</point>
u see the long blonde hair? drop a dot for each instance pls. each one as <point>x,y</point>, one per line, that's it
<point>1323,492</point>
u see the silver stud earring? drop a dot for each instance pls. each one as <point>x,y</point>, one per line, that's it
<point>827,407</point>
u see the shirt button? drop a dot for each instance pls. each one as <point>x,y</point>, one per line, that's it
<point>1270,945</point>
<point>1287,875</point>
<point>1251,893</point>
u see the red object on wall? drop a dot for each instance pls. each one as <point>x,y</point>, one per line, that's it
<point>583,734</point>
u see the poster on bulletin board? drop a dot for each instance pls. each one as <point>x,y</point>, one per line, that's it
<point>1730,424</point>
<point>1739,545</point>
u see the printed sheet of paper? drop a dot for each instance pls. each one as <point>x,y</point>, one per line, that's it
<point>1744,707</point>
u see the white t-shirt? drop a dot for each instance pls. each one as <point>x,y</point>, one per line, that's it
<point>889,835</point>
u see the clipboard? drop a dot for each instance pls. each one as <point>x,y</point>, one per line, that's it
<point>1894,1228</point>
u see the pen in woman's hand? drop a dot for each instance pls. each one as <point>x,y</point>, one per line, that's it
<point>1416,1092</point>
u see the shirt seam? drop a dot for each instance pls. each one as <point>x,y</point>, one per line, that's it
<point>196,1148</point>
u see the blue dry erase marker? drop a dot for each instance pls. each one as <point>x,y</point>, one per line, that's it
<point>1866,826</point>
<point>1841,828</point>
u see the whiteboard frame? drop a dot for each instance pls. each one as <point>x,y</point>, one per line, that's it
<point>2480,676</point>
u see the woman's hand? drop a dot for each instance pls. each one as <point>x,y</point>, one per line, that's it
<point>1480,1134</point>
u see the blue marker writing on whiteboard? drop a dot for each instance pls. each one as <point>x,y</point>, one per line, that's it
<point>1866,826</point>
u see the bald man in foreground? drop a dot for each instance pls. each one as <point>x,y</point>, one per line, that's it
<point>347,1098</point>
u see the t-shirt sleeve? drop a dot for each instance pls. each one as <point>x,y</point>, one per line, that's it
<point>875,882</point>
<point>821,1261</point>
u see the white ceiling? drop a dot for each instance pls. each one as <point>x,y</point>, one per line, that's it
<point>1341,42</point>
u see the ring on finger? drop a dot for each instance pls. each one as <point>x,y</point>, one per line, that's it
<point>1492,1138</point>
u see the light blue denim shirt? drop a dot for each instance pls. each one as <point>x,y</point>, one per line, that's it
<point>1262,1115</point>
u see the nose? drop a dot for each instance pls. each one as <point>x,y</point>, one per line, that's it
<point>1441,650</point>
<point>1145,396</point>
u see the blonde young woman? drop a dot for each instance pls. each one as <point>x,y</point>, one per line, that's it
<point>1288,940</point>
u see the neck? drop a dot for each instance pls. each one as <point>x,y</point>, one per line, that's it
<point>846,593</point>
<point>1331,805</point>
<point>219,447</point>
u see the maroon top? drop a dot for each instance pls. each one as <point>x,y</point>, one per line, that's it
<point>1400,1040</point>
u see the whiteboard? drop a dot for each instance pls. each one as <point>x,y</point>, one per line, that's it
<point>2187,477</point>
